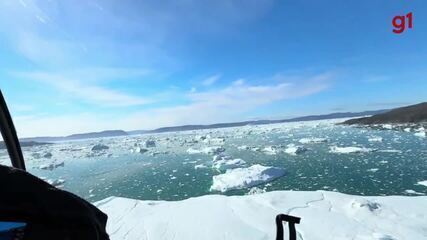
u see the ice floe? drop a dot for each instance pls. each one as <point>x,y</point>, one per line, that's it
<point>207,150</point>
<point>293,149</point>
<point>346,150</point>
<point>325,215</point>
<point>52,165</point>
<point>375,139</point>
<point>245,177</point>
<point>225,164</point>
<point>424,183</point>
<point>313,140</point>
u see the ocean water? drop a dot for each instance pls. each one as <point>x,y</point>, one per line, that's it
<point>393,166</point>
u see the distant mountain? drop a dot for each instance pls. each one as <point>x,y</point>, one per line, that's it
<point>25,144</point>
<point>115,133</point>
<point>261,122</point>
<point>107,133</point>
<point>409,114</point>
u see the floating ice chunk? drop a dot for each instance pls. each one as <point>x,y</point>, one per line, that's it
<point>221,157</point>
<point>216,141</point>
<point>407,129</point>
<point>243,147</point>
<point>52,165</point>
<point>390,151</point>
<point>141,150</point>
<point>346,150</point>
<point>255,190</point>
<point>313,140</point>
<point>228,164</point>
<point>206,150</point>
<point>375,139</point>
<point>420,134</point>
<point>56,182</point>
<point>245,177</point>
<point>372,170</point>
<point>250,217</point>
<point>294,149</point>
<point>387,126</point>
<point>424,183</point>
<point>99,147</point>
<point>270,150</point>
<point>150,143</point>
<point>410,191</point>
<point>200,166</point>
<point>47,155</point>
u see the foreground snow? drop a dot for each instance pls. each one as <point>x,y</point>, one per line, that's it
<point>325,215</point>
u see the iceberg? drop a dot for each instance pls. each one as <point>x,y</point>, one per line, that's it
<point>424,183</point>
<point>313,140</point>
<point>270,150</point>
<point>52,165</point>
<point>295,150</point>
<point>325,215</point>
<point>346,150</point>
<point>206,150</point>
<point>245,177</point>
<point>420,134</point>
<point>375,139</point>
<point>225,164</point>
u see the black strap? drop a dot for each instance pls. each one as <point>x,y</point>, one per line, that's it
<point>291,222</point>
<point>9,136</point>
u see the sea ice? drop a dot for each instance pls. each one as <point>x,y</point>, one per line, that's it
<point>245,177</point>
<point>199,166</point>
<point>424,183</point>
<point>346,150</point>
<point>325,215</point>
<point>270,150</point>
<point>52,165</point>
<point>206,150</point>
<point>294,149</point>
<point>313,140</point>
<point>420,134</point>
<point>225,164</point>
<point>56,182</point>
<point>375,139</point>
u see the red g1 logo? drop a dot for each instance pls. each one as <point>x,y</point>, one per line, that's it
<point>399,23</point>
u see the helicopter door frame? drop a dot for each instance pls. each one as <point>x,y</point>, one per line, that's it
<point>10,137</point>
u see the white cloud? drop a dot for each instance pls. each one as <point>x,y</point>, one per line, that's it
<point>81,87</point>
<point>223,105</point>
<point>211,80</point>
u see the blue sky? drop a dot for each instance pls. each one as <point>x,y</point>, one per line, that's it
<point>76,66</point>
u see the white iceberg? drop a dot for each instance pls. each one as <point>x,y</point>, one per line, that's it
<point>270,150</point>
<point>346,150</point>
<point>206,150</point>
<point>420,134</point>
<point>375,139</point>
<point>324,215</point>
<point>200,166</point>
<point>424,183</point>
<point>225,164</point>
<point>294,149</point>
<point>52,165</point>
<point>313,140</point>
<point>245,177</point>
<point>56,182</point>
